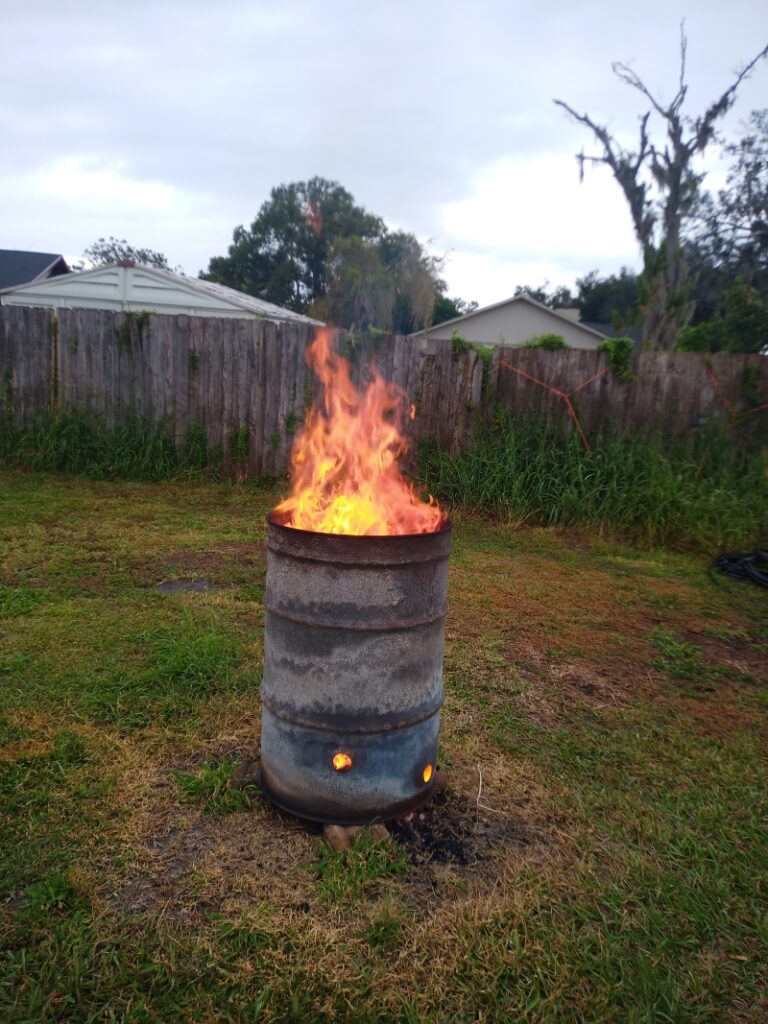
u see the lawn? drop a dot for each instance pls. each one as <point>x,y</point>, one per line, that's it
<point>604,732</point>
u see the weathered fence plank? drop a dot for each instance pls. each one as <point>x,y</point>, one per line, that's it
<point>227,375</point>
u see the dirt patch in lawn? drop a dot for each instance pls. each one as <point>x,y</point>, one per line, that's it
<point>186,864</point>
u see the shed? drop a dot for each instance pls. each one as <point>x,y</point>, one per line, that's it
<point>514,322</point>
<point>130,288</point>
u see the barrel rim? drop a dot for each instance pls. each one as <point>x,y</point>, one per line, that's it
<point>352,537</point>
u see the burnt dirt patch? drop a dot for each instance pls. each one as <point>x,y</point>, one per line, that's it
<point>449,830</point>
<point>184,864</point>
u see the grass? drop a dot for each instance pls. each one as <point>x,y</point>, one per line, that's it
<point>211,788</point>
<point>621,814</point>
<point>709,494</point>
<point>78,443</point>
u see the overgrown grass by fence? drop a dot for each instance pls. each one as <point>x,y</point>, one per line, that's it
<point>86,445</point>
<point>706,493</point>
<point>247,386</point>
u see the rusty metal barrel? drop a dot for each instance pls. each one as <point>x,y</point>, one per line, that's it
<point>353,664</point>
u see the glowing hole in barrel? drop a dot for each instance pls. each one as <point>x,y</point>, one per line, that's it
<point>341,762</point>
<point>427,773</point>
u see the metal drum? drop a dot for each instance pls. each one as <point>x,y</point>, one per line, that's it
<point>353,667</point>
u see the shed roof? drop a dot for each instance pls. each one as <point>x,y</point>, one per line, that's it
<point>126,286</point>
<point>18,266</point>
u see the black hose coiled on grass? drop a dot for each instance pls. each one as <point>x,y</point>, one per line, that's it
<point>753,565</point>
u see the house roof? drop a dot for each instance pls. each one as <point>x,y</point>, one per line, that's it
<point>125,285</point>
<point>509,302</point>
<point>18,266</point>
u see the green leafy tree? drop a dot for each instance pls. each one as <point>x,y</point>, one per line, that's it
<point>311,248</point>
<point>360,293</point>
<point>416,280</point>
<point>662,188</point>
<point>284,256</point>
<point>558,298</point>
<point>446,308</point>
<point>734,224</point>
<point>610,299</point>
<point>116,250</point>
<point>741,325</point>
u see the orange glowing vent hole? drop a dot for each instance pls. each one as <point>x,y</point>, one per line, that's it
<point>427,773</point>
<point>341,762</point>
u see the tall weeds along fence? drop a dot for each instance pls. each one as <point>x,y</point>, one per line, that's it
<point>246,384</point>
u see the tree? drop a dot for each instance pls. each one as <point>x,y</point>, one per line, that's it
<point>360,293</point>
<point>283,257</point>
<point>114,250</point>
<point>741,325</point>
<point>610,299</point>
<point>662,188</point>
<point>313,249</point>
<point>558,298</point>
<point>449,309</point>
<point>416,280</point>
<point>734,226</point>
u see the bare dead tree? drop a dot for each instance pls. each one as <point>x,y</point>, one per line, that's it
<point>661,188</point>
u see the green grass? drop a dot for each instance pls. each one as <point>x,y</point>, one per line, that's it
<point>83,444</point>
<point>210,787</point>
<point>136,885</point>
<point>349,874</point>
<point>709,494</point>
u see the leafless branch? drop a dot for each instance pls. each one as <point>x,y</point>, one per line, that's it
<point>703,127</point>
<point>630,77</point>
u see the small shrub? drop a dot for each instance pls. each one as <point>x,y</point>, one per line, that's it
<point>55,892</point>
<point>549,342</point>
<point>240,443</point>
<point>618,352</point>
<point>459,344</point>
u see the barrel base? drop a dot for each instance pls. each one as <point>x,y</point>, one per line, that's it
<point>385,777</point>
<point>335,819</point>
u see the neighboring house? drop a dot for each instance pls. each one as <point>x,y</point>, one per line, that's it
<point>515,322</point>
<point>127,287</point>
<point>20,267</point>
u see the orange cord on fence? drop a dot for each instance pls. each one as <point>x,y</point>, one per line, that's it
<point>565,395</point>
<point>735,414</point>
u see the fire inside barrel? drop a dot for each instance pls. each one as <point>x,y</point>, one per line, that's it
<point>357,571</point>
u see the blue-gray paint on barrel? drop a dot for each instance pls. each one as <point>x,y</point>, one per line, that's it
<point>353,663</point>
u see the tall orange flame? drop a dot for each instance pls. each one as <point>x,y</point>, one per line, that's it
<point>345,477</point>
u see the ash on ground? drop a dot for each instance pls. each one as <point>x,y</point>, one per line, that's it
<point>450,830</point>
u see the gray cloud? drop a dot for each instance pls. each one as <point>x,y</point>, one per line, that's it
<point>403,103</point>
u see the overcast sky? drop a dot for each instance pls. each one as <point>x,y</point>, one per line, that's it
<point>167,123</point>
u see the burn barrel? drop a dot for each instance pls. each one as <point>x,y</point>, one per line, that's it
<point>353,663</point>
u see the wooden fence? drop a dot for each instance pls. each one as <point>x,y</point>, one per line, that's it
<point>228,375</point>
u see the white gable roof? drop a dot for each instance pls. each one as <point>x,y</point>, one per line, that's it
<point>124,286</point>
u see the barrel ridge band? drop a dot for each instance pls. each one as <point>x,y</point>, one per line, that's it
<point>397,626</point>
<point>284,552</point>
<point>320,727</point>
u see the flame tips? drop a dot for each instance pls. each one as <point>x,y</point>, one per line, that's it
<point>345,477</point>
<point>427,773</point>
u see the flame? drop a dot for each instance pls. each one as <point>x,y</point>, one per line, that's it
<point>344,476</point>
<point>427,773</point>
<point>341,762</point>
